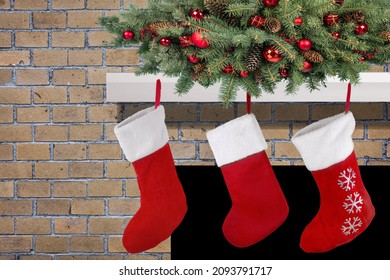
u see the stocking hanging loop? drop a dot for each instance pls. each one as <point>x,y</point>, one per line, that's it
<point>248,103</point>
<point>158,93</point>
<point>348,100</point>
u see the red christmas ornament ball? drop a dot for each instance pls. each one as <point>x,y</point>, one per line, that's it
<point>271,54</point>
<point>196,14</point>
<point>307,66</point>
<point>362,59</point>
<point>256,21</point>
<point>244,73</point>
<point>331,19</point>
<point>128,35</point>
<point>340,2</point>
<point>336,35</point>
<point>228,69</point>
<point>193,59</point>
<point>200,40</point>
<point>165,41</point>
<point>298,21</point>
<point>284,73</point>
<point>270,3</point>
<point>361,28</point>
<point>304,44</point>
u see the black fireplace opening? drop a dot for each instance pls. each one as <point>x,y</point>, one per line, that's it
<point>200,237</point>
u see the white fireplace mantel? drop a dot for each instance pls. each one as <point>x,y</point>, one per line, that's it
<point>130,88</point>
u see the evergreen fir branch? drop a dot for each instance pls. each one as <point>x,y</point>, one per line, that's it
<point>242,9</point>
<point>286,49</point>
<point>228,90</point>
<point>184,83</point>
<point>251,86</point>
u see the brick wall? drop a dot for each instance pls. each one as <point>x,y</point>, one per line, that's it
<point>66,191</point>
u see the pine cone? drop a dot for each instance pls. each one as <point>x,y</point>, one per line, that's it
<point>313,56</point>
<point>259,77</point>
<point>253,58</point>
<point>155,26</point>
<point>355,17</point>
<point>272,25</point>
<point>199,67</point>
<point>386,35</point>
<point>218,9</point>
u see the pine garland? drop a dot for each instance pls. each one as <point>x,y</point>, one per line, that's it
<point>247,43</point>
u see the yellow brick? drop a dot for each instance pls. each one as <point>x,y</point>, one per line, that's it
<point>15,133</point>
<point>97,76</point>
<point>30,5</point>
<point>31,39</point>
<point>276,131</point>
<point>377,68</point>
<point>100,38</point>
<point>6,152</point>
<point>379,130</point>
<point>32,151</point>
<point>51,170</point>
<point>105,188</point>
<point>205,151</point>
<point>85,57</point>
<point>15,170</point>
<point>368,149</point>
<point>137,256</point>
<point>70,151</point>
<point>103,4</point>
<point>5,40</point>
<point>87,244</point>
<point>5,4</point>
<point>180,112</point>
<point>68,39</point>
<point>15,244</point>
<point>15,207</point>
<point>286,149</point>
<point>132,188</point>
<point>320,112</point>
<point>6,226</point>
<point>30,189</point>
<point>14,58</point>
<point>6,189</point>
<point>367,111</point>
<point>216,113</point>
<point>5,75</point>
<point>32,114</point>
<point>183,150</point>
<point>70,225</point>
<point>106,225</point>
<point>33,226</point>
<point>50,57</point>
<point>51,244</point>
<point>138,3</point>
<point>35,257</point>
<point>70,189</point>
<point>87,207</point>
<point>53,207</point>
<point>121,57</point>
<point>110,132</point>
<point>51,133</point>
<point>173,131</point>
<point>163,247</point>
<point>104,113</point>
<point>120,170</point>
<point>69,114</point>
<point>195,131</point>
<point>123,206</point>
<point>358,132</point>
<point>6,114</point>
<point>67,4</point>
<point>32,77</point>
<point>15,95</point>
<point>103,257</point>
<point>104,151</point>
<point>115,245</point>
<point>15,21</point>
<point>286,112</point>
<point>69,77</point>
<point>83,19</point>
<point>86,132</point>
<point>132,109</point>
<point>86,94</point>
<point>49,20</point>
<point>86,169</point>
<point>71,257</point>
<point>52,95</point>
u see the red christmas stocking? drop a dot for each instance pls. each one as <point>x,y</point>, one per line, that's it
<point>345,209</point>
<point>143,138</point>
<point>258,203</point>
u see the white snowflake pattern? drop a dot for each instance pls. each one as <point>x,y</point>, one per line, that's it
<point>353,202</point>
<point>351,225</point>
<point>346,179</point>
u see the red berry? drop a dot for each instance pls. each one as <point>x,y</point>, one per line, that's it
<point>361,28</point>
<point>196,14</point>
<point>298,21</point>
<point>336,35</point>
<point>284,73</point>
<point>193,59</point>
<point>228,69</point>
<point>128,35</point>
<point>270,3</point>
<point>307,66</point>
<point>165,42</point>
<point>244,73</point>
